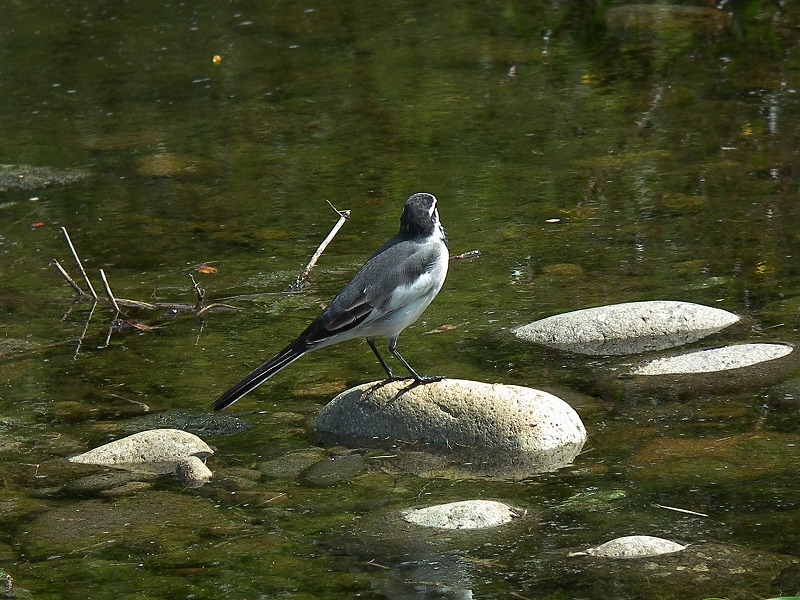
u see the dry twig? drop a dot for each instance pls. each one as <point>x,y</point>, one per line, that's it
<point>109,293</point>
<point>80,264</point>
<point>69,279</point>
<point>200,292</point>
<point>344,215</point>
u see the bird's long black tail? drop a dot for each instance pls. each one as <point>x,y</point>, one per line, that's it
<point>283,359</point>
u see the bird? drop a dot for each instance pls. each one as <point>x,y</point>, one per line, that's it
<point>387,294</point>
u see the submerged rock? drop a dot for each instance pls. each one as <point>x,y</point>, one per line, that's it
<point>627,328</point>
<point>455,413</point>
<point>29,177</point>
<point>467,514</point>
<point>335,470</point>
<point>151,523</point>
<point>633,546</point>
<point>169,165</point>
<point>714,360</point>
<point>658,17</point>
<point>102,483</point>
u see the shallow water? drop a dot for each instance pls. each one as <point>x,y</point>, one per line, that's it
<point>592,153</point>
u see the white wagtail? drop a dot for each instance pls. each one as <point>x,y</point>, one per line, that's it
<point>387,295</point>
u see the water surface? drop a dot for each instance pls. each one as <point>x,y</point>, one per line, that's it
<point>593,152</point>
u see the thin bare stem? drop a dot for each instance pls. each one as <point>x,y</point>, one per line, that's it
<point>109,293</point>
<point>80,264</point>
<point>681,510</point>
<point>69,279</point>
<point>200,292</point>
<point>344,215</point>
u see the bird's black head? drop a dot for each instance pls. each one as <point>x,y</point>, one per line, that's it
<point>420,217</point>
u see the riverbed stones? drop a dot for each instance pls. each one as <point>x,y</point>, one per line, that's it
<point>153,451</point>
<point>628,328</point>
<point>633,546</point>
<point>467,514</point>
<point>715,359</point>
<point>31,177</point>
<point>455,413</point>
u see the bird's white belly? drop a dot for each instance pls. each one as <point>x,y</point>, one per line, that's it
<point>408,302</point>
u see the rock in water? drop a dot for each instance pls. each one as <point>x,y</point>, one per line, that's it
<point>627,328</point>
<point>715,359</point>
<point>467,514</point>
<point>455,413</point>
<point>633,546</point>
<point>193,472</point>
<point>156,450</point>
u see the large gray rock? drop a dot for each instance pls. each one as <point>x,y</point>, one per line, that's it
<point>627,328</point>
<point>715,359</point>
<point>455,413</point>
<point>156,450</point>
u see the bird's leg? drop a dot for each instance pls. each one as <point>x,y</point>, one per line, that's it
<point>417,377</point>
<point>371,342</point>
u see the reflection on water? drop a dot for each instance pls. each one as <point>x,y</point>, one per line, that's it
<point>593,153</point>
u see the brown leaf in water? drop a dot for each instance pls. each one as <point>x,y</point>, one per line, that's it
<point>206,269</point>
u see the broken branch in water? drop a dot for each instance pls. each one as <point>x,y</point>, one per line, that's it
<point>344,215</point>
<point>80,264</point>
<point>200,292</point>
<point>69,279</point>
<point>116,303</point>
<point>109,293</point>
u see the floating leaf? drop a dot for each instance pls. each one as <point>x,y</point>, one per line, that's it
<point>206,269</point>
<point>444,328</point>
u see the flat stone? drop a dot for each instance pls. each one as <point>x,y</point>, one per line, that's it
<point>627,328</point>
<point>713,360</point>
<point>156,450</point>
<point>633,546</point>
<point>455,413</point>
<point>467,514</point>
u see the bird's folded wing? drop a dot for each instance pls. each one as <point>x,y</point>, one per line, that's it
<point>343,319</point>
<point>401,276</point>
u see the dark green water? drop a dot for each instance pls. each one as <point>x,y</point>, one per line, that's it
<point>593,152</point>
